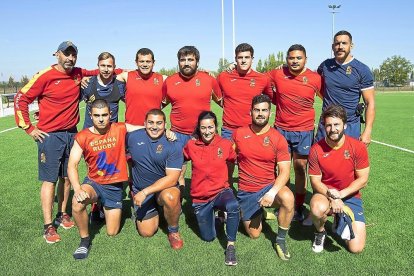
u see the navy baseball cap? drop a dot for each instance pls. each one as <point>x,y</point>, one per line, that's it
<point>65,45</point>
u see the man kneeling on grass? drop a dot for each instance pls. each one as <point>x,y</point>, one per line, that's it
<point>338,170</point>
<point>103,147</point>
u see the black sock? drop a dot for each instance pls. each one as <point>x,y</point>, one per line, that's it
<point>85,242</point>
<point>59,214</point>
<point>45,226</point>
<point>281,233</point>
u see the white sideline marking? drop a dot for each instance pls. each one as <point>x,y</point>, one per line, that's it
<point>392,146</point>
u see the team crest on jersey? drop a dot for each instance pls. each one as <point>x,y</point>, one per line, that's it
<point>43,157</point>
<point>91,99</point>
<point>305,80</point>
<point>348,70</point>
<point>252,82</point>
<point>77,79</point>
<point>220,153</point>
<point>266,141</point>
<point>197,82</point>
<point>159,148</point>
<point>347,155</point>
<point>156,81</point>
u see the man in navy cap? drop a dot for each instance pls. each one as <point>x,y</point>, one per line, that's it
<point>57,91</point>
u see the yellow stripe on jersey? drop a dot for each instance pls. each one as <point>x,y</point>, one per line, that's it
<point>34,79</point>
<point>21,123</point>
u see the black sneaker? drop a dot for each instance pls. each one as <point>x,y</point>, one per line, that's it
<point>82,252</point>
<point>230,256</point>
<point>299,214</point>
<point>317,245</point>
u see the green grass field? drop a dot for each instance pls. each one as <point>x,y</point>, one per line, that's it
<point>388,200</point>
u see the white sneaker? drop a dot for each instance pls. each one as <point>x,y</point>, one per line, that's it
<point>317,246</point>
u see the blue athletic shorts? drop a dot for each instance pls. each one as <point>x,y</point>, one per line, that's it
<point>226,133</point>
<point>182,138</point>
<point>148,209</point>
<point>249,202</point>
<point>110,195</point>
<point>352,129</point>
<point>53,155</point>
<point>298,141</point>
<point>356,206</point>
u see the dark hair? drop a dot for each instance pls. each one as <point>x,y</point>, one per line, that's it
<point>296,47</point>
<point>336,111</point>
<point>155,111</point>
<point>99,103</point>
<point>203,116</point>
<point>244,47</point>
<point>144,52</point>
<point>261,99</point>
<point>105,55</point>
<point>188,50</point>
<point>343,32</point>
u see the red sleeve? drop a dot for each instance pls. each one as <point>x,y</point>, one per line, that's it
<point>26,96</point>
<point>314,168</point>
<point>282,149</point>
<point>232,154</point>
<point>268,90</point>
<point>216,89</point>
<point>164,92</point>
<point>186,152</point>
<point>361,157</point>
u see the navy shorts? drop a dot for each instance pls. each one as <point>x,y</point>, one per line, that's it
<point>53,155</point>
<point>183,138</point>
<point>110,195</point>
<point>249,202</point>
<point>356,206</point>
<point>148,209</point>
<point>352,129</point>
<point>226,133</point>
<point>298,141</point>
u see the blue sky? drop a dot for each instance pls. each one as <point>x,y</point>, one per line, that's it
<point>32,30</point>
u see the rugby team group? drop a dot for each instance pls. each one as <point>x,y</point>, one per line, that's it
<point>153,160</point>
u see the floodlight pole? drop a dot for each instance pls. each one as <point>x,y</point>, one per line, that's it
<point>333,7</point>
<point>222,32</point>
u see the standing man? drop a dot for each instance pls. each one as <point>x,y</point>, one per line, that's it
<point>103,147</point>
<point>261,150</point>
<point>189,92</point>
<point>103,86</point>
<point>143,88</point>
<point>57,91</point>
<point>239,87</point>
<point>156,166</point>
<point>345,80</point>
<point>337,188</point>
<point>295,90</point>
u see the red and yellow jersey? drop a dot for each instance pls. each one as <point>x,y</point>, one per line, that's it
<point>337,166</point>
<point>257,156</point>
<point>58,97</point>
<point>188,97</point>
<point>105,154</point>
<point>209,167</point>
<point>143,93</point>
<point>294,98</point>
<point>238,92</point>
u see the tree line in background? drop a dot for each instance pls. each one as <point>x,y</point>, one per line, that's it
<point>394,71</point>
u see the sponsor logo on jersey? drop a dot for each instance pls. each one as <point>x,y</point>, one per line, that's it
<point>177,83</point>
<point>232,80</point>
<point>140,143</point>
<point>220,153</point>
<point>266,141</point>
<point>247,136</point>
<point>305,80</point>
<point>347,155</point>
<point>91,99</point>
<point>197,82</point>
<point>57,82</point>
<point>348,70</point>
<point>156,81</point>
<point>159,149</point>
<point>252,82</point>
<point>43,157</point>
<point>325,155</point>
